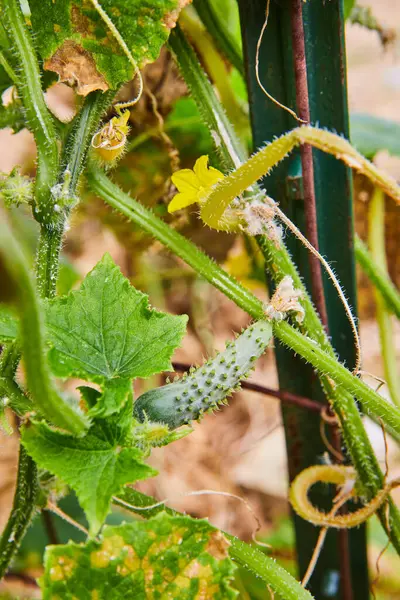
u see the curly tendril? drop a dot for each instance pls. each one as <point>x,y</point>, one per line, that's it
<point>342,476</point>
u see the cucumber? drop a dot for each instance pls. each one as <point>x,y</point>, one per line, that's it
<point>203,389</point>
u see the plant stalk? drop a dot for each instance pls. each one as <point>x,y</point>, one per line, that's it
<point>378,277</point>
<point>38,116</point>
<point>376,238</point>
<point>22,511</point>
<point>354,433</point>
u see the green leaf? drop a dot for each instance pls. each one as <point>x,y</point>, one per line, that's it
<point>371,134</point>
<point>165,557</point>
<point>96,467</point>
<point>8,324</point>
<point>75,42</point>
<point>106,332</point>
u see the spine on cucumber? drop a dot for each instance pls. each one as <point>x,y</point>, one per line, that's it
<point>208,386</point>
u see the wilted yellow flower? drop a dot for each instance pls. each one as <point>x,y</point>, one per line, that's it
<point>109,142</point>
<point>193,184</point>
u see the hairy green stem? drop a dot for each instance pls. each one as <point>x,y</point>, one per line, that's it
<point>174,241</point>
<point>47,260</point>
<point>373,404</point>
<point>217,70</point>
<point>22,511</point>
<point>355,436</point>
<point>378,277</point>
<point>376,238</point>
<point>229,149</point>
<point>16,397</point>
<point>32,337</point>
<point>279,263</point>
<point>38,116</point>
<point>8,68</point>
<point>85,125</point>
<point>250,557</point>
<point>208,269</point>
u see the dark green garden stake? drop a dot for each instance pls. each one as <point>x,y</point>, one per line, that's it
<point>341,572</point>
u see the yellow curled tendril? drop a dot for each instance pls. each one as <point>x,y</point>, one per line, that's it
<point>341,476</point>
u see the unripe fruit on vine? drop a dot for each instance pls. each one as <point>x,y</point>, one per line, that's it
<point>210,385</point>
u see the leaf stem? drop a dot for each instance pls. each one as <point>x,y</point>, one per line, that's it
<point>22,511</point>
<point>38,116</point>
<point>17,399</point>
<point>47,260</point>
<point>32,336</point>
<point>8,68</point>
<point>378,277</point>
<point>213,273</point>
<point>343,403</point>
<point>79,139</point>
<point>230,150</point>
<point>376,238</point>
<point>373,404</point>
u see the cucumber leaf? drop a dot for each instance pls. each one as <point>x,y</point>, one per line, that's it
<point>95,466</point>
<point>164,557</point>
<point>106,333</point>
<point>75,41</point>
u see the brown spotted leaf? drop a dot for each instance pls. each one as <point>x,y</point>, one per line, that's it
<point>164,557</point>
<point>76,43</point>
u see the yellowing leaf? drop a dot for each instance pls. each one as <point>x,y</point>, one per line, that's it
<point>164,557</point>
<point>75,42</point>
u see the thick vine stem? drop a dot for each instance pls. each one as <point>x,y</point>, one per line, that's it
<point>264,567</point>
<point>343,477</point>
<point>186,250</point>
<point>174,241</point>
<point>22,511</point>
<point>372,403</point>
<point>279,264</point>
<point>32,337</point>
<point>356,438</point>
<point>38,116</point>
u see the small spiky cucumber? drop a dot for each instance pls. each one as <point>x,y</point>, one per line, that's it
<point>204,388</point>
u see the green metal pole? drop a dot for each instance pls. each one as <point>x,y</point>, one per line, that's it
<point>341,572</point>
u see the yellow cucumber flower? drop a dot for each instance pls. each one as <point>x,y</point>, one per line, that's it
<point>193,184</point>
